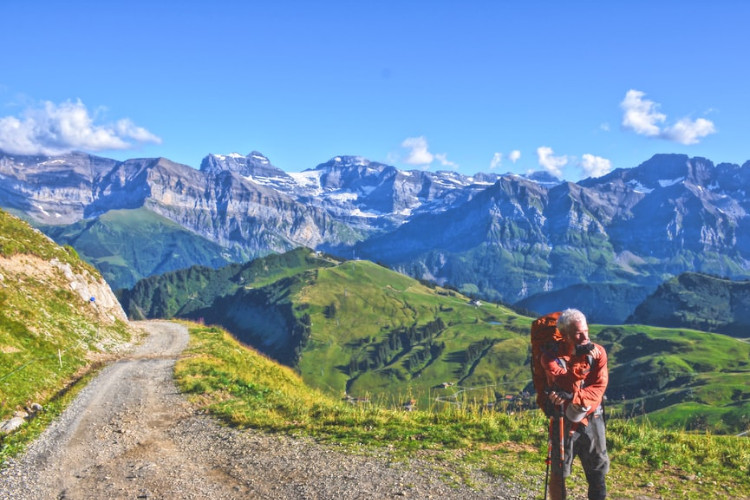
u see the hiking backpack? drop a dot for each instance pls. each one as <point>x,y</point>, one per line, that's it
<point>545,338</point>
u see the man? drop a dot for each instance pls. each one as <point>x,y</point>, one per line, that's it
<point>578,377</point>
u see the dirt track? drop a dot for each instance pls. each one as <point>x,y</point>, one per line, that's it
<point>129,434</point>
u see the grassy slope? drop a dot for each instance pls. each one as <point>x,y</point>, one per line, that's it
<point>370,302</point>
<point>701,302</point>
<point>247,389</point>
<point>48,334</point>
<point>680,378</point>
<point>127,245</point>
<point>182,292</point>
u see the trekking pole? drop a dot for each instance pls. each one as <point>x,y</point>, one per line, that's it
<point>561,425</point>
<point>549,457</point>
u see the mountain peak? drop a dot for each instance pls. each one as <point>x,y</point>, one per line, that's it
<point>254,164</point>
<point>661,171</point>
<point>258,158</point>
<point>543,177</point>
<point>345,161</point>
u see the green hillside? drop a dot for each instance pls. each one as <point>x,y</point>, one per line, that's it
<point>357,329</point>
<point>382,334</point>
<point>681,378</point>
<point>49,335</point>
<point>127,245</point>
<point>701,302</point>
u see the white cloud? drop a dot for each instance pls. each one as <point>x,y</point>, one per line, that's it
<point>641,116</point>
<point>443,159</point>
<point>419,154</point>
<point>688,131</point>
<point>595,166</point>
<point>55,129</point>
<point>604,126</point>
<point>552,164</point>
<point>127,128</point>
<point>418,151</point>
<point>497,160</point>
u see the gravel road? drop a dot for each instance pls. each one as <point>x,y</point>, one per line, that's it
<point>129,434</point>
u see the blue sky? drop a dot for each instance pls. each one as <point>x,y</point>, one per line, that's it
<point>576,88</point>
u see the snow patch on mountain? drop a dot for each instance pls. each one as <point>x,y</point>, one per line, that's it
<point>266,181</point>
<point>257,156</point>
<point>224,157</point>
<point>308,180</point>
<point>670,182</point>
<point>359,213</point>
<point>638,187</point>
<point>343,196</point>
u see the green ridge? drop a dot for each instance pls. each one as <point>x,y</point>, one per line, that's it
<point>128,245</point>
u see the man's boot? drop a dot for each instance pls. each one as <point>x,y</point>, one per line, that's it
<point>597,486</point>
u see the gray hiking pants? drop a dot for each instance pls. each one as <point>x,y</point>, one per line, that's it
<point>587,442</point>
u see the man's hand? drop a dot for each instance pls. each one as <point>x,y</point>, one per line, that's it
<point>559,398</point>
<point>584,349</point>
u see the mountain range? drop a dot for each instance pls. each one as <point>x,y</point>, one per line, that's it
<point>532,240</point>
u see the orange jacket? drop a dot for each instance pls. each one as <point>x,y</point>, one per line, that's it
<point>575,375</point>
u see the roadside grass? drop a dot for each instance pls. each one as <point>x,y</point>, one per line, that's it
<point>17,237</point>
<point>248,390</point>
<point>16,442</point>
<point>46,339</point>
<point>46,347</point>
<point>49,336</point>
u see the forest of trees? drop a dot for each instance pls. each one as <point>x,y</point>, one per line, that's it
<point>400,342</point>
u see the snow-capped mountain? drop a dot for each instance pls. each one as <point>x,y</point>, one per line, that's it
<point>508,237</point>
<point>363,193</point>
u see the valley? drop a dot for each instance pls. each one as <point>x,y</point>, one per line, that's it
<point>340,250</point>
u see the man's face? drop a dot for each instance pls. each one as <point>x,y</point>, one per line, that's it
<point>577,333</point>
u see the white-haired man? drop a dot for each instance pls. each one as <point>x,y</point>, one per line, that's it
<point>578,377</point>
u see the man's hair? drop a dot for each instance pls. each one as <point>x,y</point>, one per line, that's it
<point>568,317</point>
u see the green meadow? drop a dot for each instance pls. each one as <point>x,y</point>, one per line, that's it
<point>248,390</point>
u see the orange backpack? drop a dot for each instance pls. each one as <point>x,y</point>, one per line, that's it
<point>545,338</point>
